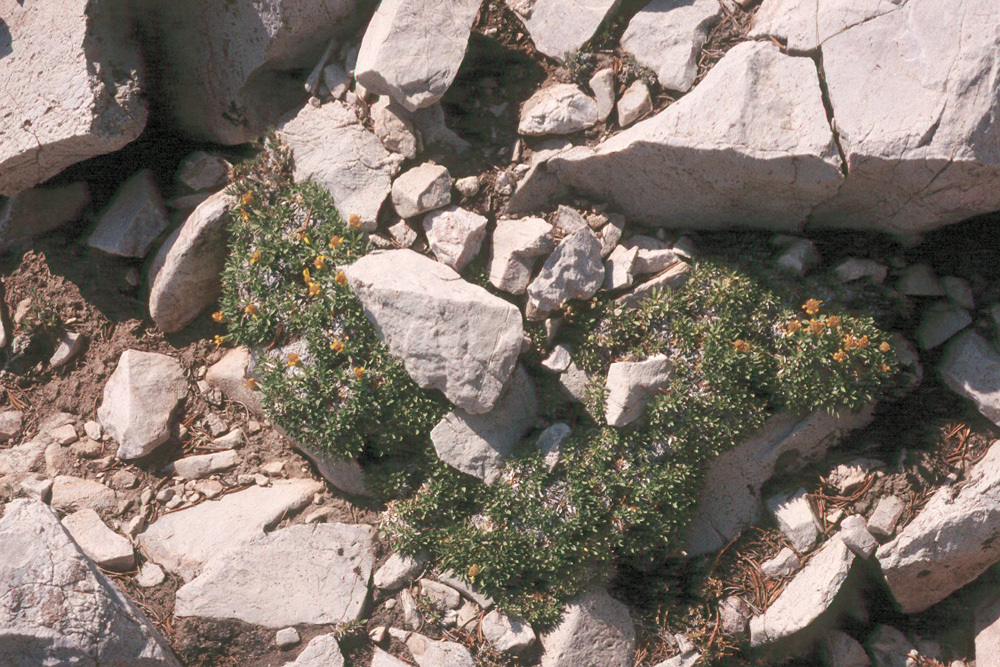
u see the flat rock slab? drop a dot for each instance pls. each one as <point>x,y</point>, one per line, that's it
<point>313,574</point>
<point>187,271</point>
<point>101,544</point>
<point>203,465</point>
<point>954,539</point>
<point>516,246</point>
<point>687,168</point>
<point>433,653</point>
<point>77,88</point>
<point>322,651</point>
<point>450,334</point>
<point>412,51</point>
<point>559,109</point>
<point>334,149</point>
<point>139,401</point>
<point>808,595</point>
<point>595,629</point>
<point>804,25</point>
<point>796,519</point>
<point>421,189</point>
<point>71,494</point>
<point>133,219</point>
<point>31,213</point>
<point>971,368</point>
<point>184,541</point>
<point>560,27</point>
<point>57,608</point>
<point>631,385</point>
<point>573,271</point>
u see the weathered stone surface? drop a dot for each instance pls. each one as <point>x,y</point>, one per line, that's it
<point>36,211</point>
<point>653,256</point>
<point>559,109</point>
<point>72,93</point>
<point>632,385</point>
<point>508,635</point>
<point>412,51</point>
<point>204,171</point>
<point>855,268</point>
<point>603,86</point>
<point>101,544</point>
<point>667,36</point>
<point>461,585</point>
<point>987,619</point>
<point>150,575</point>
<point>730,496</point>
<point>230,71</point>
<point>398,571</point>
<point>549,443</point>
<point>287,637</point>
<point>323,578</point>
<point>71,494</point>
<point>854,532</point>
<point>689,658</point>
<point>57,608</point>
<point>330,146</point>
<point>799,258</point>
<point>768,132</point>
<point>29,456</point>
<point>782,565</point>
<point>808,595</point>
<point>139,401</point>
<point>971,367</point>
<point>450,334</point>
<point>919,280</point>
<point>421,189</point>
<point>573,271</point>
<point>432,653</point>
<point>959,291</point>
<point>382,659</point>
<point>70,345</point>
<point>620,267</point>
<point>133,219</point>
<point>671,278</point>
<point>952,540</point>
<point>393,128</point>
<point>888,647</point>
<point>444,596</point>
<point>538,187</point>
<point>184,541</point>
<point>11,422</point>
<point>887,512</point>
<point>203,465</point>
<point>935,162</point>
<point>477,444</point>
<point>734,613</point>
<point>796,519</point>
<point>516,245</point>
<point>186,272</point>
<point>839,649</point>
<point>455,235</point>
<point>939,322</point>
<point>595,629</point>
<point>322,651</point>
<point>804,26</point>
<point>634,103</point>
<point>229,375</point>
<point>559,27</point>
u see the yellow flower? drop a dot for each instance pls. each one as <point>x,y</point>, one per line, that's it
<point>218,316</point>
<point>335,242</point>
<point>359,372</point>
<point>306,276</point>
<point>293,359</point>
<point>473,571</point>
<point>740,345</point>
<point>812,306</point>
<point>320,262</point>
<point>840,356</point>
<point>833,321</point>
<point>354,220</point>
<point>244,215</point>
<point>219,340</point>
<point>337,346</point>
<point>314,289</point>
<point>884,368</point>
<point>816,326</point>
<point>885,347</point>
<point>255,257</point>
<point>250,383</point>
<point>303,236</point>
<point>247,197</point>
<point>251,309</point>
<point>862,342</point>
<point>340,278</point>
<point>793,326</point>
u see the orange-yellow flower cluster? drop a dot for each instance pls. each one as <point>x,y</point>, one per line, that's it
<point>850,342</point>
<point>840,356</point>
<point>816,326</point>
<point>793,326</point>
<point>740,345</point>
<point>337,345</point>
<point>293,359</point>
<point>354,220</point>
<point>340,278</point>
<point>335,242</point>
<point>812,306</point>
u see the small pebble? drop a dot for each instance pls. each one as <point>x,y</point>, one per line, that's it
<point>150,574</point>
<point>261,480</point>
<point>287,637</point>
<point>93,430</point>
<point>253,426</point>
<point>64,435</point>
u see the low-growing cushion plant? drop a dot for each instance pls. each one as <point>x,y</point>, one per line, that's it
<point>743,348</point>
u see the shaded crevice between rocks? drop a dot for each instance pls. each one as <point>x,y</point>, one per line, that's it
<point>824,90</point>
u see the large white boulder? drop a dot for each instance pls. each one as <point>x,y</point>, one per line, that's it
<point>560,27</point>
<point>595,629</point>
<point>971,368</point>
<point>412,50</point>
<point>71,83</point>
<point>450,334</point>
<point>767,131</point>
<point>952,540</point>
<point>56,606</point>
<point>803,25</point>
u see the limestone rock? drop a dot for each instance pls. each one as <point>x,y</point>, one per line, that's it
<point>54,603</point>
<point>634,103</point>
<point>476,336</point>
<point>808,595</point>
<point>184,541</point>
<point>959,291</point>
<point>939,322</point>
<point>398,571</point>
<point>477,444</point>
<point>573,271</point>
<point>186,272</point>
<point>796,519</point>
<point>839,649</point>
<point>29,456</point>
<point>888,647</point>
<point>919,280</point>
<point>734,613</point>
<point>322,651</point>
<point>36,211</point>
<point>782,565</point>
<point>560,27</point>
<point>952,540</point>
<point>382,659</point>
<point>150,575</point>
<point>336,80</point>
<point>652,256</point>
<point>689,658</point>
<point>799,258</point>
<point>432,653</point>
<point>667,36</point>
<point>204,171</point>
<point>595,629</point>
<point>445,597</point>
<point>516,245</point>
<point>203,465</point>
<point>323,578</point>
<point>133,220</point>
<point>971,367</point>
<point>332,147</point>
<point>549,442</point>
<point>887,512</point>
<point>394,129</point>
<point>454,235</point>
<point>568,220</point>
<point>230,376</point>
<point>412,51</point>
<point>70,345</point>
<point>559,109</point>
<point>768,132</point>
<point>102,545</point>
<point>71,494</point>
<point>670,278</point>
<point>139,401</point>
<point>804,26</point>
<point>855,268</point>
<point>508,635</point>
<point>11,422</point>
<point>77,89</point>
<point>632,385</point>
<point>421,189</point>
<point>987,619</point>
<point>854,532</point>
<point>603,85</point>
<point>287,637</point>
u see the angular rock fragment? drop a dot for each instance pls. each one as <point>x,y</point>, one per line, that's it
<point>560,27</point>
<point>203,171</point>
<point>653,256</point>
<point>476,336</point>
<point>919,280</point>
<point>854,532</point>
<point>603,86</point>
<point>887,512</point>
<point>549,442</point>
<point>72,494</point>
<point>229,375</point>
<point>139,401</point>
<point>939,322</point>
<point>594,629</point>
<point>573,271</point>
<point>796,519</point>
<point>508,635</point>
<point>102,545</point>
<point>394,129</point>
<point>432,653</point>
<point>322,651</point>
<point>632,385</point>
<point>421,189</point>
<point>454,235</point>
<point>971,368</point>
<point>799,258</point>
<point>987,619</point>
<point>634,103</point>
<point>398,571</point>
<point>203,465</point>
<point>36,211</point>
<point>839,649</point>
<point>70,345</point>
<point>782,565</point>
<point>619,268</point>
<point>734,613</point>
<point>516,245</point>
<point>559,109</point>
<point>670,278</point>
<point>133,220</point>
<point>855,268</point>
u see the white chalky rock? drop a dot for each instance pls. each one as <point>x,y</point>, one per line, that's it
<point>398,571</point>
<point>987,619</point>
<point>804,26</point>
<point>839,649</point>
<point>455,235</point>
<point>336,80</point>
<point>559,109</point>
<point>323,578</point>
<point>71,93</point>
<point>34,212</point>
<point>632,385</point>
<point>403,234</point>
<point>133,220</point>
<point>568,220</point>
<point>595,629</point>
<point>184,541</point>
<point>782,565</point>
<point>203,171</point>
<point>71,494</point>
<point>516,246</point>
<point>432,653</point>
<point>54,603</point>
<point>796,519</point>
<point>139,400</point>
<point>508,635</point>
<point>287,637</point>
<point>333,148</point>
<point>322,651</point>
<point>559,27</point>
<point>689,658</point>
<point>768,132</point>
<point>477,444</point>
<point>444,596</point>
<point>603,86</point>
<point>667,36</point>
<point>799,258</point>
<point>807,596</point>
<point>412,51</point>
<point>559,359</point>
<point>101,544</point>
<point>971,367</point>
<point>203,465</point>
<point>634,103</point>
<point>549,442</point>
<point>26,457</point>
<point>934,162</point>
<point>653,256</point>
<point>229,375</point>
<point>952,540</point>
<point>421,189</point>
<point>150,575</point>
<point>70,345</point>
<point>887,512</point>
<point>382,659</point>
<point>393,128</point>
<point>620,267</point>
<point>854,532</point>
<point>451,335</point>
<point>573,271</point>
<point>186,272</point>
<point>11,422</point>
<point>939,322</point>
